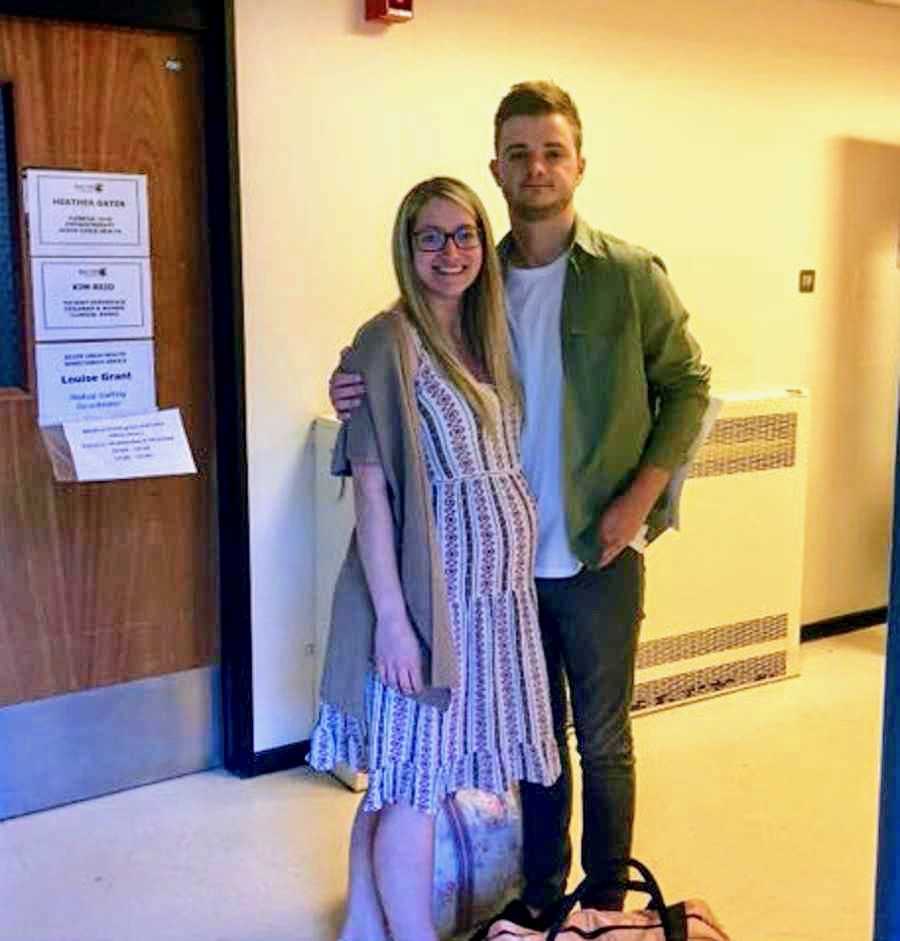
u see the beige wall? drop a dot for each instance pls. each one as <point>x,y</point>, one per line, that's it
<point>728,135</point>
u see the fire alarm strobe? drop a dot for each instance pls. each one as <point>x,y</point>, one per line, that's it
<point>389,11</point>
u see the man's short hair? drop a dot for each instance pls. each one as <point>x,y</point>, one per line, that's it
<point>535,98</point>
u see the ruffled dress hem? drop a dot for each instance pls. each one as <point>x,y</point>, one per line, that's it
<point>341,739</point>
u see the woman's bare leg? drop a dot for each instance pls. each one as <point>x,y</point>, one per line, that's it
<point>404,871</point>
<point>364,919</point>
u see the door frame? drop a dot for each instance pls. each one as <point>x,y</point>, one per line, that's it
<point>212,25</point>
<point>887,880</point>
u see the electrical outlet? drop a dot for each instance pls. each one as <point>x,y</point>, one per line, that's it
<point>807,281</point>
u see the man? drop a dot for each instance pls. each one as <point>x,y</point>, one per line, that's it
<point>615,392</point>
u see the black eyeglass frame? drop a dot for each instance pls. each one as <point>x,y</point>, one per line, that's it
<point>432,230</point>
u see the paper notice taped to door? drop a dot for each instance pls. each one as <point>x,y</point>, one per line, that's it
<point>84,381</point>
<point>84,213</point>
<point>88,299</point>
<point>150,445</point>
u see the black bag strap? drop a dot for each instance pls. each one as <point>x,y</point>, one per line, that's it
<point>674,927</point>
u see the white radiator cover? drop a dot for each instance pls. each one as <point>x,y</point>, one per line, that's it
<point>723,594</point>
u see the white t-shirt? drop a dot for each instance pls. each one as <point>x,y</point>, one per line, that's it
<point>534,306</point>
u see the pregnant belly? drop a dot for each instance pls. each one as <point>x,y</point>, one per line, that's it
<point>486,533</point>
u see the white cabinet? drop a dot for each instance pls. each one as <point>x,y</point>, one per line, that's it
<point>723,595</point>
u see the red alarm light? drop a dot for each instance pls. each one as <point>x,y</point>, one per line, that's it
<point>389,11</point>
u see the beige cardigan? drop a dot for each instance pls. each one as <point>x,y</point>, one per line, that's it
<point>385,429</point>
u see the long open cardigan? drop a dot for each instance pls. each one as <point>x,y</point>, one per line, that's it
<point>385,429</point>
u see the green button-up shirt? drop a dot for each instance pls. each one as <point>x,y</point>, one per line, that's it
<point>635,386</point>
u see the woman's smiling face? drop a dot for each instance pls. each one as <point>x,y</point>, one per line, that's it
<point>446,274</point>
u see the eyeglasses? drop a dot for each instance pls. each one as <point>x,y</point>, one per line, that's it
<point>466,238</point>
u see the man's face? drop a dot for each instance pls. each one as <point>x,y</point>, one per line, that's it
<point>537,166</point>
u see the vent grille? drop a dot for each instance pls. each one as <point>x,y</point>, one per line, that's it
<point>712,640</point>
<point>756,443</point>
<point>693,685</point>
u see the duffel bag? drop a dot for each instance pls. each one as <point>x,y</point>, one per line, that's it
<point>685,921</point>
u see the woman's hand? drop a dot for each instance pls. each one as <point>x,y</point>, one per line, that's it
<point>398,655</point>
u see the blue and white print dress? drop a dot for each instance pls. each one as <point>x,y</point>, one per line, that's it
<point>498,728</point>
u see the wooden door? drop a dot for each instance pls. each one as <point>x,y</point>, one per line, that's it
<point>105,585</point>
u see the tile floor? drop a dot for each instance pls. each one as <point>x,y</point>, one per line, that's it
<point>764,802</point>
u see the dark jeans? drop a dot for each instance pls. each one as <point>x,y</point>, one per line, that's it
<point>589,626</point>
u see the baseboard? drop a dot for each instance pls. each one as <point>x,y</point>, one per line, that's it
<point>843,624</point>
<point>277,759</point>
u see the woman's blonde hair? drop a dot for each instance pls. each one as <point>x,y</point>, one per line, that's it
<point>483,316</point>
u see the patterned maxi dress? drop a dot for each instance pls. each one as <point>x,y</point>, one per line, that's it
<point>497,729</point>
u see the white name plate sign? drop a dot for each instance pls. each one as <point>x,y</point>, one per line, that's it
<point>92,380</point>
<point>92,299</point>
<point>152,445</point>
<point>75,213</point>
